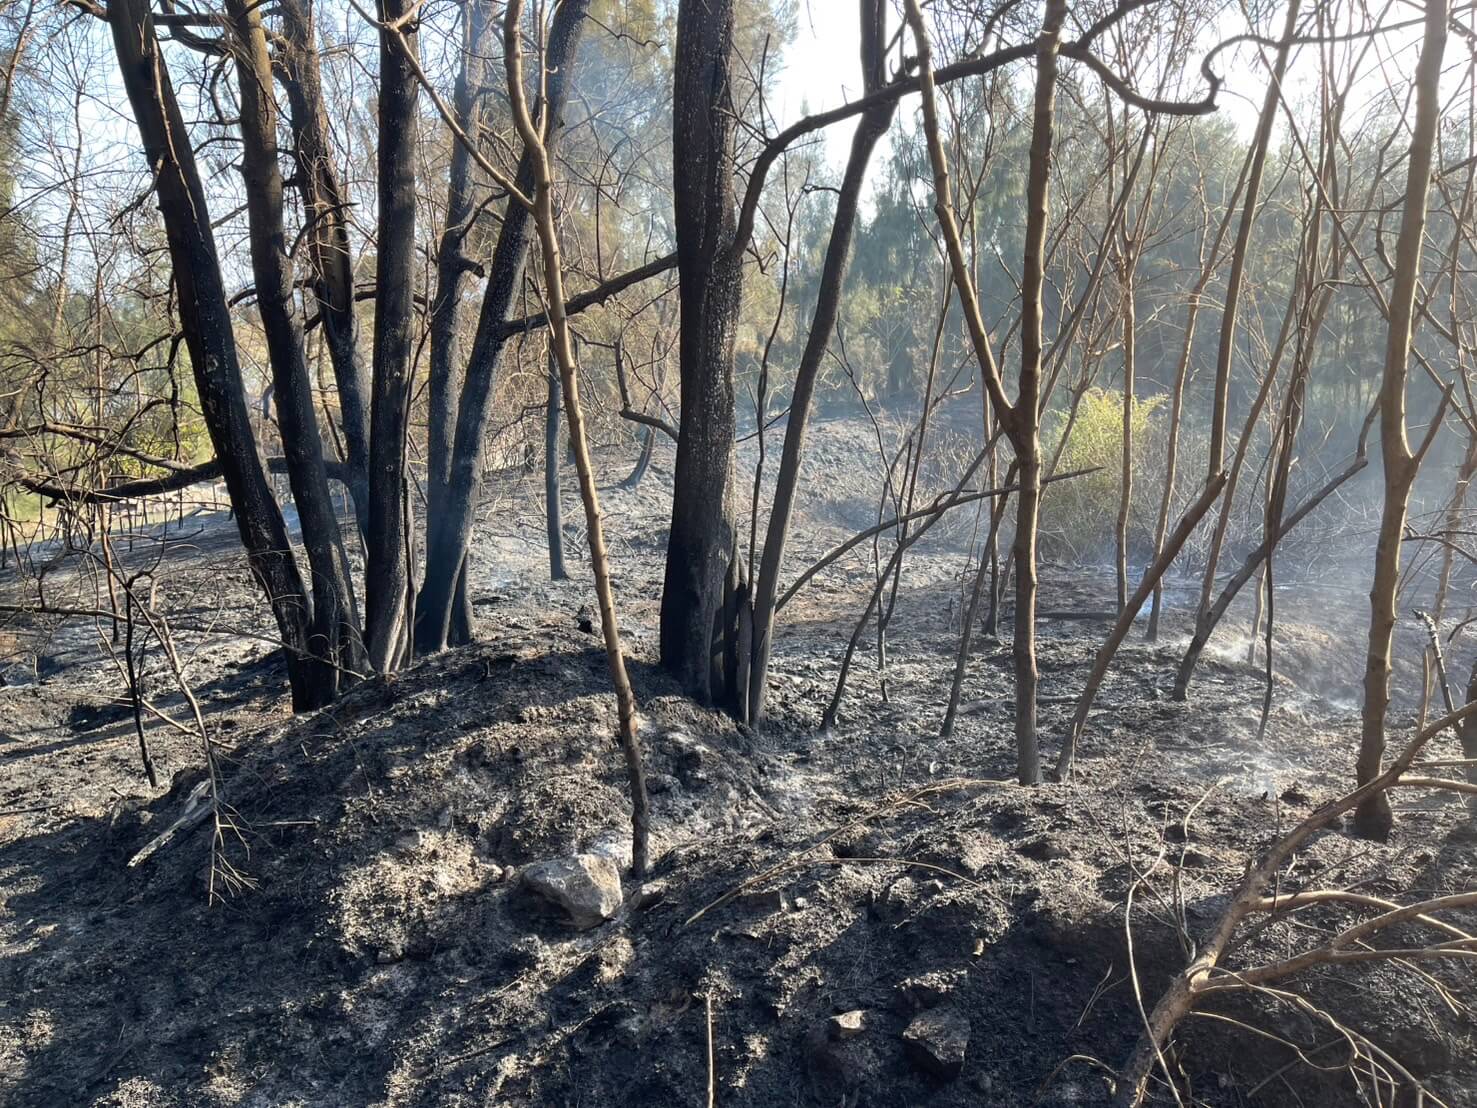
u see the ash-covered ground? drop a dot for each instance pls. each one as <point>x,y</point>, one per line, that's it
<point>867,916</point>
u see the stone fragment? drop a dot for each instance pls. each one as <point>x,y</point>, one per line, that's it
<point>847,1025</point>
<point>936,1040</point>
<point>587,887</point>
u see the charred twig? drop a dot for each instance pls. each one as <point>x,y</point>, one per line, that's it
<point>1152,576</point>
<point>1206,972</point>
<point>942,504</point>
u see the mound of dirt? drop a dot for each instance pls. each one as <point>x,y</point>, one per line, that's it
<point>946,939</point>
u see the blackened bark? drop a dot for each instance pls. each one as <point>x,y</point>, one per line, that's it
<point>1127,263</point>
<point>1467,734</point>
<point>1021,421</point>
<point>1234,279</point>
<point>449,531</point>
<point>554,517</point>
<point>334,632</point>
<point>452,267</point>
<point>387,572</point>
<point>327,238</point>
<point>149,486</point>
<point>1025,434</point>
<point>206,322</point>
<point>643,460</point>
<point>698,611</point>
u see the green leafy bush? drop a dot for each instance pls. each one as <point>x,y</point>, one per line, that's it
<point>1079,517</point>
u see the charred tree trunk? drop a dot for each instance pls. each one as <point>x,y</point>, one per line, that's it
<point>553,514</point>
<point>643,460</point>
<point>1466,470</point>
<point>449,532</point>
<point>1177,390</point>
<point>452,266</point>
<point>1225,352</point>
<point>206,322</point>
<point>870,129</point>
<point>1125,473</point>
<point>1236,277</point>
<point>325,207</point>
<point>1467,734</point>
<point>1311,296</point>
<point>1020,421</point>
<point>334,635</point>
<point>1316,293</point>
<point>1374,817</point>
<point>704,586</point>
<point>1172,449</point>
<point>387,570</point>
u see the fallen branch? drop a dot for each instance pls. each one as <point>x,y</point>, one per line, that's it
<point>1152,576</point>
<point>176,479</point>
<point>1206,973</point>
<point>941,505</point>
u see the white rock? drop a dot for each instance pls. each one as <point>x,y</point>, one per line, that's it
<point>586,886</point>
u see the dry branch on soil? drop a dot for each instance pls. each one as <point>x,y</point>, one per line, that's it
<point>1208,972</point>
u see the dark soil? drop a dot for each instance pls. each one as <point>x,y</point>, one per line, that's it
<point>374,945</point>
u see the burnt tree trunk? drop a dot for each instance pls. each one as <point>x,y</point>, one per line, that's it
<point>327,237</point>
<point>1177,390</point>
<point>1308,305</point>
<point>1236,277</point>
<point>449,531</point>
<point>206,321</point>
<point>1021,420</point>
<point>1374,817</point>
<point>554,517</point>
<point>643,460</point>
<point>387,569</point>
<point>452,266</point>
<point>1127,263</point>
<point>1225,351</point>
<point>871,127</point>
<point>704,588</point>
<point>1025,431</point>
<point>334,628</point>
<point>1467,734</point>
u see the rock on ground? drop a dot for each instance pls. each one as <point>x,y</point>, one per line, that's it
<point>936,1040</point>
<point>586,886</point>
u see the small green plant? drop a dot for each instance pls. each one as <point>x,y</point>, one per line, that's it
<point>1078,517</point>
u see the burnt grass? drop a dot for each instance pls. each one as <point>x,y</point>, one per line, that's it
<point>381,951</point>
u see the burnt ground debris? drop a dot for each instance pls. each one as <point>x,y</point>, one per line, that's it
<point>388,954</point>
